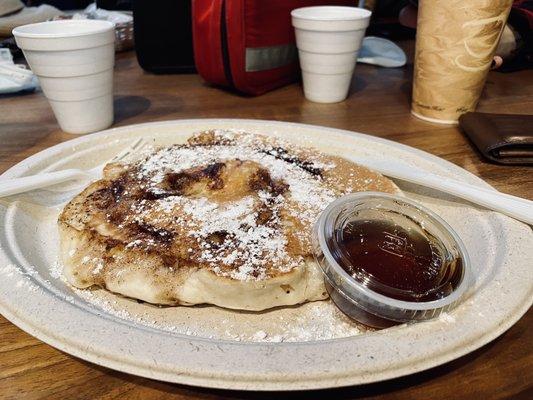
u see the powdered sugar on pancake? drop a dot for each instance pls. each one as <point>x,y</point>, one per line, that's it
<point>305,188</point>
<point>237,204</point>
<point>255,247</point>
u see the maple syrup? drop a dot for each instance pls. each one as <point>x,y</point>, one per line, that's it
<point>405,264</point>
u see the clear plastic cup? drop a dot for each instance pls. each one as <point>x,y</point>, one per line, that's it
<point>363,297</point>
<point>74,61</point>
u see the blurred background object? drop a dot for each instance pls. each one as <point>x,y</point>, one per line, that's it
<point>387,21</point>
<point>122,5</point>
<point>123,23</point>
<point>516,46</point>
<point>382,52</point>
<point>162,30</point>
<point>60,4</point>
<point>13,13</point>
<point>10,6</point>
<point>14,77</point>
<point>163,36</point>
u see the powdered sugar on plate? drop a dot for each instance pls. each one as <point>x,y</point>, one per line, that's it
<point>24,276</point>
<point>308,322</point>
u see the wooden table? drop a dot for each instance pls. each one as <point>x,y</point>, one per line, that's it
<point>378,105</point>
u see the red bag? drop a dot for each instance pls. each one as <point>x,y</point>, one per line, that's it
<point>248,45</point>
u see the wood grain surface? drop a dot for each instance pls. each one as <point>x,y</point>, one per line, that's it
<point>378,105</point>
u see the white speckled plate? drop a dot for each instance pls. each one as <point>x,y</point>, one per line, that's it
<point>311,346</point>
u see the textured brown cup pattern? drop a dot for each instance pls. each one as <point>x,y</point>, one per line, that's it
<point>455,44</point>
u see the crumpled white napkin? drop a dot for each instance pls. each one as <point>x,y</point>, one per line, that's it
<point>14,77</point>
<point>92,12</point>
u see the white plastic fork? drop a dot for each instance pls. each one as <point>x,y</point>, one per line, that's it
<point>9,187</point>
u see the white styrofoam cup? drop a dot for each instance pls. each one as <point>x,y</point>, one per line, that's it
<point>328,39</point>
<point>74,61</point>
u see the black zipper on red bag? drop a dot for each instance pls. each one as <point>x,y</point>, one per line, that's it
<point>224,45</point>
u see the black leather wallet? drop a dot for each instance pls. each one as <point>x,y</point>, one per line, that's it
<point>502,138</point>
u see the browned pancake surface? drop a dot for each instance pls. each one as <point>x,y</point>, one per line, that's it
<point>240,205</point>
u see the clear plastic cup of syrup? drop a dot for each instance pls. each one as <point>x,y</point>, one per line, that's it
<point>387,260</point>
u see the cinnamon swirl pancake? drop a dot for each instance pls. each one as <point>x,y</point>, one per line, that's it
<point>224,219</point>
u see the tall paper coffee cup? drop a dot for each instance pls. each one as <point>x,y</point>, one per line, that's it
<point>455,44</point>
